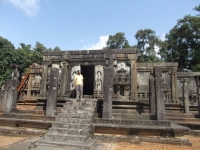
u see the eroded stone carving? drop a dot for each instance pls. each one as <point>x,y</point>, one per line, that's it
<point>73,73</point>
<point>98,77</point>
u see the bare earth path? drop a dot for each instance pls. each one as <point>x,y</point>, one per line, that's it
<point>22,143</point>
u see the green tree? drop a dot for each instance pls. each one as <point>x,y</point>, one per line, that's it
<point>117,41</point>
<point>38,53</point>
<point>26,56</point>
<point>7,56</point>
<point>56,49</point>
<point>146,43</point>
<point>184,43</point>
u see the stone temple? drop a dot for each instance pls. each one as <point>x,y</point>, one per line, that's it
<point>121,97</point>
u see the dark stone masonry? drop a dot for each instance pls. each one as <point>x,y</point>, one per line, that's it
<point>121,96</point>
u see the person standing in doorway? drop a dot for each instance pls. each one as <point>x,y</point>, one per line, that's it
<point>78,82</point>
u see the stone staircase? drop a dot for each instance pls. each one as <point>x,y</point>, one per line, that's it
<point>188,120</point>
<point>25,122</point>
<point>73,126</point>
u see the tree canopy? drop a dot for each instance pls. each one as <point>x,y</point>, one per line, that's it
<point>117,41</point>
<point>183,43</point>
<point>146,44</point>
<point>23,56</point>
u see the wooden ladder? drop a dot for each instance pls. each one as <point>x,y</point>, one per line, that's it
<point>23,82</point>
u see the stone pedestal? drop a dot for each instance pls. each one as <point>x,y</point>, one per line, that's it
<point>52,92</point>
<point>108,90</point>
<point>159,95</point>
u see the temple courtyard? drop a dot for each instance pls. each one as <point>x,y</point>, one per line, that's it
<point>25,143</point>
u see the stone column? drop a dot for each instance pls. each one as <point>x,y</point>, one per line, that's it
<point>152,102</point>
<point>174,86</point>
<point>185,96</point>
<point>134,92</point>
<point>198,92</point>
<point>30,80</point>
<point>108,90</point>
<point>64,79</point>
<point>52,92</point>
<point>4,95</point>
<point>11,101</point>
<point>43,82</point>
<point>160,105</point>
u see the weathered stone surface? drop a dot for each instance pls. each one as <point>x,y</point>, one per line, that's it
<point>198,91</point>
<point>12,95</point>
<point>185,96</point>
<point>52,93</point>
<point>108,90</point>
<point>152,102</point>
<point>160,105</point>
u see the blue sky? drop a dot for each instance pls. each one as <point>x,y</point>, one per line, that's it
<point>86,24</point>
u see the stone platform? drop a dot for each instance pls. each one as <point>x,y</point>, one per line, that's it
<point>24,122</point>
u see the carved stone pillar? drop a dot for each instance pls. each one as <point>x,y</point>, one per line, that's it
<point>98,84</point>
<point>43,82</point>
<point>152,102</point>
<point>4,95</point>
<point>198,91</point>
<point>30,81</point>
<point>160,105</point>
<point>52,92</point>
<point>134,91</point>
<point>174,86</point>
<point>11,101</point>
<point>64,79</point>
<point>185,96</point>
<point>108,90</point>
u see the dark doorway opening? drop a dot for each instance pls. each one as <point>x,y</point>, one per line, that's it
<point>88,75</point>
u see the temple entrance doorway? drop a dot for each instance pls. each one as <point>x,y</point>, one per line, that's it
<point>88,75</point>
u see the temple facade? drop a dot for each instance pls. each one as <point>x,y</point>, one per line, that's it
<point>131,80</point>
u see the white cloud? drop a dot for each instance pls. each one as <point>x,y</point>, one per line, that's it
<point>162,37</point>
<point>30,7</point>
<point>100,45</point>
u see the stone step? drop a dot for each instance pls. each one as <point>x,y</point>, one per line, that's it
<point>79,107</point>
<point>71,125</point>
<point>75,115</point>
<point>38,124</point>
<point>184,119</point>
<point>181,115</point>
<point>73,120</point>
<point>82,102</point>
<point>125,111</point>
<point>76,111</point>
<point>66,138</point>
<point>134,116</point>
<point>23,111</point>
<point>66,145</point>
<point>5,130</point>
<point>27,116</point>
<point>130,107</point>
<point>71,131</point>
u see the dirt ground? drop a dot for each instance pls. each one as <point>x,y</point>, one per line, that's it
<point>117,145</point>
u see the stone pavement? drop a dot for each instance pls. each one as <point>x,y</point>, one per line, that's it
<point>108,144</point>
